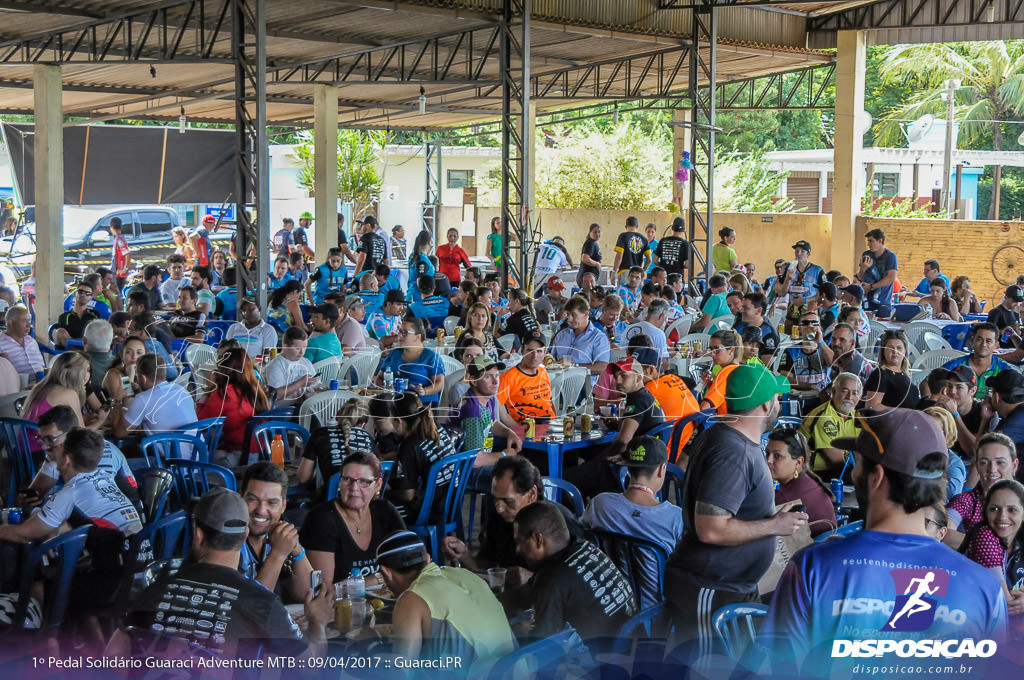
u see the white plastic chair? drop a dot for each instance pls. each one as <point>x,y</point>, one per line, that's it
<point>449,325</point>
<point>936,358</point>
<point>363,363</point>
<point>451,379</point>
<point>870,347</point>
<point>569,388</point>
<point>701,339</point>
<point>328,369</point>
<point>722,323</point>
<point>915,333</point>
<point>324,406</point>
<point>183,379</point>
<point>933,340</point>
<point>616,354</point>
<point>198,353</point>
<point>451,364</point>
<point>506,342</point>
<point>680,325</point>
<point>919,375</point>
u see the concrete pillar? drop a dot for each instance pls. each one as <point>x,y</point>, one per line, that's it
<point>49,196</point>
<point>822,190</point>
<point>325,169</point>
<point>849,170</point>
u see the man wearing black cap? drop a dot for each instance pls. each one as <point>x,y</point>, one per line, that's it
<point>801,280</point>
<point>1007,316</point>
<point>957,397</point>
<point>210,603</point>
<point>673,252</point>
<point>373,249</point>
<point>892,581</point>
<point>323,342</point>
<point>448,612</point>
<point>637,511</point>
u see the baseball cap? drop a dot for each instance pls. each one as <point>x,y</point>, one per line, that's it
<point>482,364</point>
<point>210,219</point>
<point>222,510</point>
<point>965,375</point>
<point>328,310</point>
<point>394,295</point>
<point>897,440</point>
<point>306,216</point>
<point>751,385</point>
<point>371,220</point>
<point>354,301</point>
<point>555,283</point>
<point>401,549</point>
<point>678,224</point>
<point>802,244</point>
<point>1008,384</point>
<point>536,336</point>
<point>1014,293</point>
<point>645,452</point>
<point>855,290</point>
<point>640,357</point>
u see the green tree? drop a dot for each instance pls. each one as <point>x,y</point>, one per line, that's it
<point>991,89</point>
<point>745,183</point>
<point>359,181</point>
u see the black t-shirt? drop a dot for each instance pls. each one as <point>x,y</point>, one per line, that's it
<point>581,586</point>
<point>74,324</point>
<point>972,419</point>
<point>633,246</point>
<point>219,609</point>
<point>1015,570</point>
<point>185,324</point>
<point>376,251</point>
<point>497,540</point>
<point>522,324</point>
<point>299,237</point>
<point>1003,317</point>
<point>327,447</point>
<point>593,249</point>
<point>153,293</point>
<point>673,254</point>
<point>644,409</point>
<point>769,337</point>
<point>413,465</point>
<point>896,388</point>
<point>342,237</point>
<point>326,531</point>
<point>729,471</point>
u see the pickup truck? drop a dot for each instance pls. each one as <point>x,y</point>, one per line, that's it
<point>87,237</point>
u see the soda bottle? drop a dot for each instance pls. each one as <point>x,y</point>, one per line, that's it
<point>277,450</point>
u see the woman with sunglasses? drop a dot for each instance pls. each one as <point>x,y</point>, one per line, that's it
<point>412,361</point>
<point>726,351</point>
<point>889,384</point>
<point>787,461</point>
<point>342,535</point>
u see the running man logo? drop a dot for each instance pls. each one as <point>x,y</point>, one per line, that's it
<point>914,610</point>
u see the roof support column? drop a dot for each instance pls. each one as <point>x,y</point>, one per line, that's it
<point>703,66</point>
<point>681,133</point>
<point>430,210</point>
<point>49,196</point>
<point>325,167</point>
<point>848,184</point>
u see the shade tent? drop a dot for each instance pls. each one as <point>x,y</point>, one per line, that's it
<point>114,164</point>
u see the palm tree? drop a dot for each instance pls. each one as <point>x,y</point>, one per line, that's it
<point>991,90</point>
<point>359,181</point>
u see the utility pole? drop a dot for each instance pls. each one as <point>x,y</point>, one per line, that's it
<point>947,160</point>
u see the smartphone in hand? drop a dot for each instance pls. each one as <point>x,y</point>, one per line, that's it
<point>316,582</point>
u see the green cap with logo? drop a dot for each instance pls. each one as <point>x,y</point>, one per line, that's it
<point>306,216</point>
<point>751,385</point>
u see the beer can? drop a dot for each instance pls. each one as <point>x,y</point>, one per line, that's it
<point>836,485</point>
<point>458,332</point>
<point>530,430</point>
<point>401,384</point>
<point>586,424</point>
<point>14,515</point>
<point>334,384</point>
<point>614,410</point>
<point>568,425</point>
<point>440,335</point>
<point>273,353</point>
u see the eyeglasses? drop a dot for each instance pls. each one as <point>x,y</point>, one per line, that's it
<point>814,324</point>
<point>50,441</point>
<point>405,332</point>
<point>81,291</point>
<point>353,481</point>
<point>938,525</point>
<point>717,348</point>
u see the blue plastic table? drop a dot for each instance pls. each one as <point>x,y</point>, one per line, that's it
<point>557,445</point>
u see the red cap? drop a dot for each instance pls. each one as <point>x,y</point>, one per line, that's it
<point>555,283</point>
<point>209,220</point>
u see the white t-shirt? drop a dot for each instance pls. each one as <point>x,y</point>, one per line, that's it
<point>112,463</point>
<point>550,259</point>
<point>256,341</point>
<point>163,408</point>
<point>656,335</point>
<point>282,371</point>
<point>169,290</point>
<point>96,496</point>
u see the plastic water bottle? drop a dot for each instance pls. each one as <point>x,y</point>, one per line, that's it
<point>355,585</point>
<point>277,450</point>
<point>389,379</point>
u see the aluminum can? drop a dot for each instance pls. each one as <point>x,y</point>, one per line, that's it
<point>586,424</point>
<point>568,425</point>
<point>14,515</point>
<point>836,485</point>
<point>530,430</point>
<point>334,384</point>
<point>401,384</point>
<point>440,335</point>
<point>615,410</point>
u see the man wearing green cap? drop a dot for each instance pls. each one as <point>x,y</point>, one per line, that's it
<point>729,516</point>
<point>299,236</point>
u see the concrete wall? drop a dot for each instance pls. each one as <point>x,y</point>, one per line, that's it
<point>961,247</point>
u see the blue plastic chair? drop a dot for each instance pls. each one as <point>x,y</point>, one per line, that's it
<point>216,330</point>
<point>456,468</point>
<point>166,446</point>
<point>650,624</point>
<point>674,476</point>
<point>632,555</point>
<point>734,626</point>
<point>386,466</point>
<point>209,430</point>
<point>155,486</point>
<point>845,530</point>
<point>663,431</point>
<point>68,548</point>
<point>264,434</point>
<point>545,655</point>
<point>789,421</point>
<point>700,419</point>
<point>192,479</point>
<point>17,437</point>
<point>161,540</point>
<point>552,486</point>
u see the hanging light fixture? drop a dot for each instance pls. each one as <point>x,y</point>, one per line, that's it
<point>990,12</point>
<point>615,118</point>
<point>423,101</point>
<point>181,121</point>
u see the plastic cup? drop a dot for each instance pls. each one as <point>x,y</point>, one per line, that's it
<point>496,578</point>
<point>360,612</point>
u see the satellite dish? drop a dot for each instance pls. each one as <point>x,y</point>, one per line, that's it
<point>1020,139</point>
<point>863,122</point>
<point>920,127</point>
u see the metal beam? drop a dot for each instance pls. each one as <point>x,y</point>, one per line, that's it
<point>430,209</point>
<point>704,5</point>
<point>702,139</point>
<point>918,14</point>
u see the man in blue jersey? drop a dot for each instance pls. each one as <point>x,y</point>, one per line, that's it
<point>892,583</point>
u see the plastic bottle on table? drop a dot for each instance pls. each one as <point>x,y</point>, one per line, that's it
<point>389,379</point>
<point>277,450</point>
<point>355,585</point>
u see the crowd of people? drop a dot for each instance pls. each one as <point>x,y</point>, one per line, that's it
<point>932,459</point>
